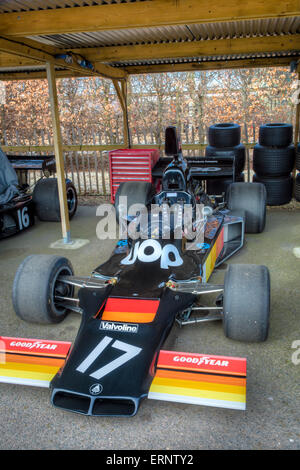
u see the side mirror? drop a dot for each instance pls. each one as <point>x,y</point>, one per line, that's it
<point>172,142</point>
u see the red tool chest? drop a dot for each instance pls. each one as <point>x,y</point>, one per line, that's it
<point>130,165</point>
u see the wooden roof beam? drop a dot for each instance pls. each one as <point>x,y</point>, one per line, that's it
<point>141,15</point>
<point>33,50</point>
<point>165,68</point>
<point>204,48</point>
<point>211,65</point>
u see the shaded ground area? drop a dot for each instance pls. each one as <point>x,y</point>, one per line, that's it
<point>272,419</point>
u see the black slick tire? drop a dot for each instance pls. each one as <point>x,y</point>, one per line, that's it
<point>35,286</point>
<point>246,302</point>
<point>46,200</point>
<point>250,197</point>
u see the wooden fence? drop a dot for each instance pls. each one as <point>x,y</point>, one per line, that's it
<point>86,164</point>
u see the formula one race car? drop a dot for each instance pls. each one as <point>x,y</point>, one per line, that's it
<point>19,203</point>
<point>129,303</point>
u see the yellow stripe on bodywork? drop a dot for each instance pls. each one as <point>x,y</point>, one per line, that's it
<point>198,385</point>
<point>210,262</point>
<point>190,392</point>
<point>28,371</point>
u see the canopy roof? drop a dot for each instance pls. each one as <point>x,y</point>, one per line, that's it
<point>119,37</point>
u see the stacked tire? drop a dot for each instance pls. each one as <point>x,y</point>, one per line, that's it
<point>297,182</point>
<point>273,162</point>
<point>225,142</point>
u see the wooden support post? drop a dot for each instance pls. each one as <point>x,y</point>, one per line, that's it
<point>58,150</point>
<point>122,96</point>
<point>297,112</point>
<point>297,120</point>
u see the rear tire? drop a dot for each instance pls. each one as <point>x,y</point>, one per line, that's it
<point>250,197</point>
<point>137,192</point>
<point>35,286</point>
<point>246,304</point>
<point>46,200</point>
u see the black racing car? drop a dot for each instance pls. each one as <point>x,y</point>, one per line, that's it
<point>130,302</point>
<point>20,203</point>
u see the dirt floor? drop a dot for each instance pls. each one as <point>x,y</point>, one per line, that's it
<point>272,418</point>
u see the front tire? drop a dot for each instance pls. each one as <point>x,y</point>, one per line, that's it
<point>35,288</point>
<point>246,305</point>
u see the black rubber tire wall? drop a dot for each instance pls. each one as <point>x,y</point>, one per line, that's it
<point>271,161</point>
<point>279,190</point>
<point>239,152</point>
<point>276,134</point>
<point>224,135</point>
<point>297,188</point>
<point>298,157</point>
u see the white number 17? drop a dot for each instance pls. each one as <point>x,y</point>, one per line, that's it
<point>129,352</point>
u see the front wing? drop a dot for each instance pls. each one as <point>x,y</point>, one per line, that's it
<point>198,379</point>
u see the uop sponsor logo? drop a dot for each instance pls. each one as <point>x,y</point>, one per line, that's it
<point>205,360</point>
<point>35,345</point>
<point>122,327</point>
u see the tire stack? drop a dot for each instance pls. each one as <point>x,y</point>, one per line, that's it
<point>273,162</point>
<point>297,182</point>
<point>225,142</point>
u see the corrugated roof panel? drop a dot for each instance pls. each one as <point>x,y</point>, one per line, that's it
<point>246,28</point>
<point>207,58</point>
<point>224,30</point>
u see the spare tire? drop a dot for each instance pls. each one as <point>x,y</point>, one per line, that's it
<point>297,188</point>
<point>298,157</point>
<point>224,135</point>
<point>238,152</point>
<point>219,186</point>
<point>271,161</point>
<point>279,190</point>
<point>276,134</point>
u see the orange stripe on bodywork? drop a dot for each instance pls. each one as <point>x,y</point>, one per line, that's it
<point>178,375</point>
<point>31,359</point>
<point>220,242</point>
<point>130,310</point>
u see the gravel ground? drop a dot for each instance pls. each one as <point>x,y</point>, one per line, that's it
<point>272,418</point>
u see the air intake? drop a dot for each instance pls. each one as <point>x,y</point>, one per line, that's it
<point>92,406</point>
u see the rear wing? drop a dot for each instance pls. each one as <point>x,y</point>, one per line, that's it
<point>39,162</point>
<point>202,168</point>
<point>199,379</point>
